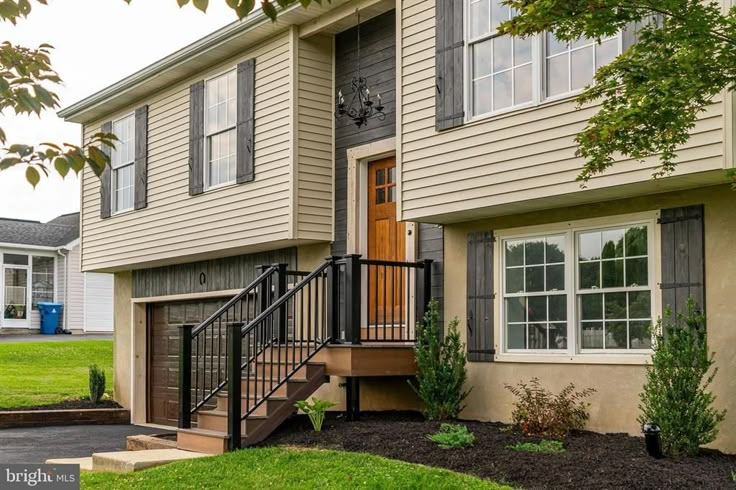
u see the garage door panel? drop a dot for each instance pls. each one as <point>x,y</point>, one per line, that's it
<point>165,319</point>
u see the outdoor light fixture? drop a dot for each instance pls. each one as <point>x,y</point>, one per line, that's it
<point>361,107</point>
<point>652,439</point>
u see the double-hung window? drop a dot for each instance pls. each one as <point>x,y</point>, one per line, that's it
<point>220,130</point>
<point>123,164</point>
<point>42,280</point>
<point>507,72</point>
<point>578,290</point>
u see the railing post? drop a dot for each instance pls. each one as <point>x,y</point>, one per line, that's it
<point>353,287</point>
<point>424,288</point>
<point>332,291</point>
<point>185,376</point>
<point>234,388</point>
<point>281,285</point>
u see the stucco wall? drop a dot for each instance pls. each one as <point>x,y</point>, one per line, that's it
<point>615,405</point>
<point>122,294</point>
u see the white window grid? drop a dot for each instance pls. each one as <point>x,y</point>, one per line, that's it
<point>572,291</point>
<point>122,162</point>
<point>539,88</point>
<point>220,129</point>
<point>44,277</point>
<point>546,293</point>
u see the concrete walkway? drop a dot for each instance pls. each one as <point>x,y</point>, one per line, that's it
<point>11,338</point>
<point>37,444</point>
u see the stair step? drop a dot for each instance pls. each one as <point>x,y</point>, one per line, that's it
<point>202,440</point>
<point>246,402</point>
<point>216,420</point>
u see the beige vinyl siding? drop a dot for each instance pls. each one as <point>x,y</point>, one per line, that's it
<point>75,296</point>
<point>175,224</point>
<point>315,137</point>
<point>509,158</point>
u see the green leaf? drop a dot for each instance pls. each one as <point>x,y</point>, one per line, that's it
<point>245,7</point>
<point>61,165</point>
<point>201,4</point>
<point>32,176</point>
<point>8,162</point>
<point>269,10</point>
<point>182,2</point>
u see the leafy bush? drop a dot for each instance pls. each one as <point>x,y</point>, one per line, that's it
<point>545,446</point>
<point>675,395</point>
<point>315,411</point>
<point>452,436</point>
<point>539,412</point>
<point>440,367</point>
<point>96,383</point>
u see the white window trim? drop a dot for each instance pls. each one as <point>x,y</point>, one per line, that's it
<point>113,180</point>
<point>539,75</point>
<point>205,159</point>
<point>573,354</point>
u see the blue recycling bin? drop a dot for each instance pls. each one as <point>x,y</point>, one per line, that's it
<point>50,314</point>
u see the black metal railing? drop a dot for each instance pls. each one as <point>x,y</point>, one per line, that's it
<point>203,358</point>
<point>276,344</point>
<point>381,300</point>
<point>270,330</point>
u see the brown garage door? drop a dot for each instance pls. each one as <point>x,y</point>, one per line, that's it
<point>163,354</point>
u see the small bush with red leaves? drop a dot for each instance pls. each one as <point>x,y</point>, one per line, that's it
<point>539,412</point>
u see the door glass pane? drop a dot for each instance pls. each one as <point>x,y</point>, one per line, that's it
<point>16,294</point>
<point>380,177</point>
<point>380,196</point>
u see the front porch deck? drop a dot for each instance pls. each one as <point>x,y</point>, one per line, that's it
<point>368,359</point>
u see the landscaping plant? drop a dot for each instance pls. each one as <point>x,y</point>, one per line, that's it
<point>452,436</point>
<point>440,364</point>
<point>315,411</point>
<point>96,383</point>
<point>544,446</point>
<point>539,412</point>
<point>676,396</point>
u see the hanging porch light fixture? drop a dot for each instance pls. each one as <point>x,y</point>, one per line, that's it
<point>361,108</point>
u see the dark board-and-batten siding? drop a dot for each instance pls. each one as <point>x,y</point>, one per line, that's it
<point>378,66</point>
<point>207,275</point>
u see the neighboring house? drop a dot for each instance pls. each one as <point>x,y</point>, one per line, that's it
<point>231,158</point>
<point>40,263</point>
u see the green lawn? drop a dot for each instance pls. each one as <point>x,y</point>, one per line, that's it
<point>281,468</point>
<point>40,373</point>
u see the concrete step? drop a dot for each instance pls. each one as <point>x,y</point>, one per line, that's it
<point>85,464</point>
<point>128,461</point>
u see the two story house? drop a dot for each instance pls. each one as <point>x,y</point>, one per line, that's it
<point>244,221</point>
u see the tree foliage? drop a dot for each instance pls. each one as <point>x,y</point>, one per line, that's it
<point>653,93</point>
<point>676,394</point>
<point>26,88</point>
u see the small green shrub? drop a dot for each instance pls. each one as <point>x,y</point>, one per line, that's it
<point>539,412</point>
<point>452,436</point>
<point>545,446</point>
<point>440,364</point>
<point>315,411</point>
<point>96,383</point>
<point>675,395</point>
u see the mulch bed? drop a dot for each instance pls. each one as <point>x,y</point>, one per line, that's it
<point>67,405</point>
<point>590,461</point>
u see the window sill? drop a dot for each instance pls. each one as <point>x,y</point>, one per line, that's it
<point>610,359</point>
<point>122,213</point>
<point>522,109</point>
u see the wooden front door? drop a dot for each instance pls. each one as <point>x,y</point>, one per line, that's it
<point>163,354</point>
<point>386,241</point>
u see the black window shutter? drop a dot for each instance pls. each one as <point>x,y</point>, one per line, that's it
<point>106,178</point>
<point>683,257</point>
<point>141,157</point>
<point>196,138</point>
<point>480,342</point>
<point>246,124</point>
<point>450,42</point>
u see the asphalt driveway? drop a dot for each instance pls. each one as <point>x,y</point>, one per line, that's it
<point>37,444</point>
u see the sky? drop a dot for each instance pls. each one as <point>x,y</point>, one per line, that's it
<point>97,42</point>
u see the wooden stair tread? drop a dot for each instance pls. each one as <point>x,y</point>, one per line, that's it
<point>205,432</point>
<point>222,413</point>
